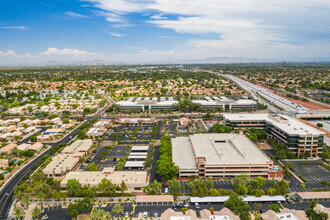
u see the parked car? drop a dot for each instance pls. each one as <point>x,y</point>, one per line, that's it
<point>155,214</point>
<point>166,190</point>
<point>197,205</point>
<point>145,215</point>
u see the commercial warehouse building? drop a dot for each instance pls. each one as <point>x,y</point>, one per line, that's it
<point>310,196</point>
<point>60,165</point>
<point>226,103</point>
<point>148,103</point>
<point>296,135</point>
<point>84,146</point>
<point>134,180</point>
<point>221,156</point>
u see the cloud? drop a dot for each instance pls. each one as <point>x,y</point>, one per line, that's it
<point>10,53</point>
<point>260,26</point>
<point>73,14</point>
<point>116,34</point>
<point>65,51</point>
<point>158,17</point>
<point>14,27</point>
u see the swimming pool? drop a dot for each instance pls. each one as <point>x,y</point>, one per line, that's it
<point>15,160</point>
<point>4,172</point>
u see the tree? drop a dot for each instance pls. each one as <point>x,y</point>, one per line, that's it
<point>106,186</point>
<point>257,206</point>
<point>274,207</point>
<point>320,125</point>
<point>241,179</point>
<point>258,182</point>
<point>236,204</point>
<point>312,214</point>
<point>174,186</point>
<point>72,210</point>
<point>91,167</point>
<point>281,187</point>
<point>241,189</point>
<point>18,212</point>
<point>271,191</point>
<point>302,186</point>
<point>117,208</point>
<point>123,187</point>
<point>184,209</point>
<point>73,187</point>
<point>153,188</point>
<point>36,212</point>
<point>100,214</point>
<point>83,204</point>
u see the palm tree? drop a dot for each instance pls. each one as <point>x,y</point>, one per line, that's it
<point>117,208</point>
<point>18,212</point>
<point>36,212</point>
<point>100,214</point>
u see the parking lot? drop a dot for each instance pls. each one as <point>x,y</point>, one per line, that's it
<point>313,172</point>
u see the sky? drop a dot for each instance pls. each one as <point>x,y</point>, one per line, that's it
<point>162,31</point>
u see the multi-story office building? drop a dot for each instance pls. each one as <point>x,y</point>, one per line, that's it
<point>226,103</point>
<point>296,135</point>
<point>221,156</point>
<point>148,103</point>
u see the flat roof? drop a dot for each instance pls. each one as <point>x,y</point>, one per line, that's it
<point>138,154</point>
<point>93,178</point>
<point>263,198</point>
<point>289,125</point>
<point>154,198</point>
<point>61,163</point>
<point>217,149</point>
<point>182,153</point>
<point>137,157</point>
<point>140,148</point>
<point>79,145</point>
<point>134,163</point>
<point>314,195</point>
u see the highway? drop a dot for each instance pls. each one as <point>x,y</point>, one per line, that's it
<point>7,193</point>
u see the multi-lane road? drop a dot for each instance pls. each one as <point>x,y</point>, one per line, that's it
<point>7,192</point>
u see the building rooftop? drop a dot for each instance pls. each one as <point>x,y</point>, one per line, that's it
<point>134,164</point>
<point>286,123</point>
<point>154,198</point>
<point>8,147</point>
<point>216,149</point>
<point>181,146</point>
<point>314,195</point>
<point>154,101</point>
<point>61,163</point>
<point>79,145</point>
<point>140,148</point>
<point>93,178</point>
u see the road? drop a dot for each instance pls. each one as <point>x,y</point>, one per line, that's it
<point>6,194</point>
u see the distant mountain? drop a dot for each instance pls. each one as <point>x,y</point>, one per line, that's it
<point>96,62</point>
<point>231,60</point>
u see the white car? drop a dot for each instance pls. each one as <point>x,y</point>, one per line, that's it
<point>166,190</point>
